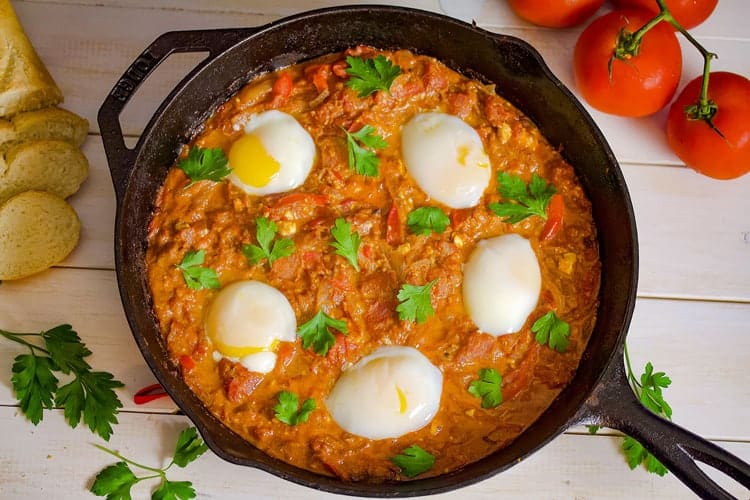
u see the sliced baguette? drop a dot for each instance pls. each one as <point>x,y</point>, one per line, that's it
<point>57,167</point>
<point>37,230</point>
<point>44,124</point>
<point>25,84</point>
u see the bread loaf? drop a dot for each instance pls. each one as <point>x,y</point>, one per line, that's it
<point>25,84</point>
<point>54,166</point>
<point>43,124</point>
<point>37,231</point>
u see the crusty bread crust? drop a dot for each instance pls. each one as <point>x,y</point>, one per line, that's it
<point>25,84</point>
<point>37,230</point>
<point>43,124</point>
<point>57,167</point>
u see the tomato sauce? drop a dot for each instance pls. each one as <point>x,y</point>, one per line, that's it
<point>219,218</point>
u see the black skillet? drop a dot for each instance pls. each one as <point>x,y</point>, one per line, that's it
<point>598,394</point>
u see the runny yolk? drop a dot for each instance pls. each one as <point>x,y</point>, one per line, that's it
<point>401,400</point>
<point>242,351</point>
<point>251,163</point>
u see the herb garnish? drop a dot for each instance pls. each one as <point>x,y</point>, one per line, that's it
<point>265,230</point>
<point>649,393</point>
<point>196,276</point>
<point>552,330</point>
<point>425,220</point>
<point>317,332</point>
<point>413,461</point>
<point>347,241</point>
<point>204,164</point>
<point>289,411</point>
<point>363,159</point>
<point>115,481</point>
<point>369,75</point>
<point>529,200</point>
<point>415,302</point>
<point>488,387</point>
<point>89,395</point>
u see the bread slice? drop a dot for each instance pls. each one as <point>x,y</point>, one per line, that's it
<point>57,167</point>
<point>25,84</point>
<point>37,230</point>
<point>43,124</point>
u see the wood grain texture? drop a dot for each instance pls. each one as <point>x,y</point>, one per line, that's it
<point>690,319</point>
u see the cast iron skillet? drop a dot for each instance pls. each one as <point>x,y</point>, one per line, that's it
<point>598,394</point>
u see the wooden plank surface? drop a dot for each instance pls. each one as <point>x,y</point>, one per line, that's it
<point>690,320</point>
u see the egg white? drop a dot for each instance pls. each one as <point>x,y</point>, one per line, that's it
<point>446,157</point>
<point>283,139</point>
<point>246,321</point>
<point>392,391</point>
<point>501,285</point>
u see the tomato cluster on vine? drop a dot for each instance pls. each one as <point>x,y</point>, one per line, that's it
<point>628,62</point>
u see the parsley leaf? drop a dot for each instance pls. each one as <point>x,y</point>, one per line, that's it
<point>288,410</point>
<point>198,277</point>
<point>66,349</point>
<point>488,388</point>
<point>651,395</point>
<point>593,429</point>
<point>189,447</point>
<point>413,461</point>
<point>265,230</point>
<point>415,302</point>
<point>204,164</point>
<point>347,241</point>
<point>115,481</point>
<point>34,384</point>
<point>89,395</point>
<point>529,200</point>
<point>363,159</point>
<point>174,490</point>
<point>552,330</point>
<point>369,75</point>
<point>317,332</point>
<point>425,220</point>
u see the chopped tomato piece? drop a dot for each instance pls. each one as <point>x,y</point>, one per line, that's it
<point>555,211</point>
<point>459,215</point>
<point>319,76</point>
<point>306,198</point>
<point>393,227</point>
<point>285,353</point>
<point>282,88</point>
<point>187,363</point>
<point>338,353</point>
<point>339,68</point>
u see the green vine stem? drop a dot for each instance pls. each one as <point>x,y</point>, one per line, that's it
<point>628,44</point>
<point>16,337</point>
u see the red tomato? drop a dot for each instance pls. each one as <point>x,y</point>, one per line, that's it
<point>555,13</point>
<point>689,13</point>
<point>700,147</point>
<point>638,85</point>
<point>555,214</point>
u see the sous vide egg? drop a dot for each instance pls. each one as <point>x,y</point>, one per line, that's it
<point>502,282</point>
<point>390,392</point>
<point>446,157</point>
<point>275,154</point>
<point>246,321</point>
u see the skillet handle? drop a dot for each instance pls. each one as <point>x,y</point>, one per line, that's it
<point>119,156</point>
<point>613,405</point>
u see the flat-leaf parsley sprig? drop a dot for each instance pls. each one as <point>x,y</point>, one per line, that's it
<point>361,146</point>
<point>195,275</point>
<point>317,332</point>
<point>649,390</point>
<point>522,201</point>
<point>369,75</point>
<point>288,409</point>
<point>488,387</point>
<point>89,395</point>
<point>415,302</point>
<point>265,231</point>
<point>413,461</point>
<point>115,481</point>
<point>204,164</point>
<point>347,241</point>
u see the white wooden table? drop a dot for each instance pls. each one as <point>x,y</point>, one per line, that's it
<point>691,319</point>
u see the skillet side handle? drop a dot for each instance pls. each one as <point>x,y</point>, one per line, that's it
<point>613,405</point>
<point>119,156</point>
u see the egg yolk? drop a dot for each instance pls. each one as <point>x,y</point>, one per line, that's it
<point>402,405</point>
<point>242,351</point>
<point>251,163</point>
